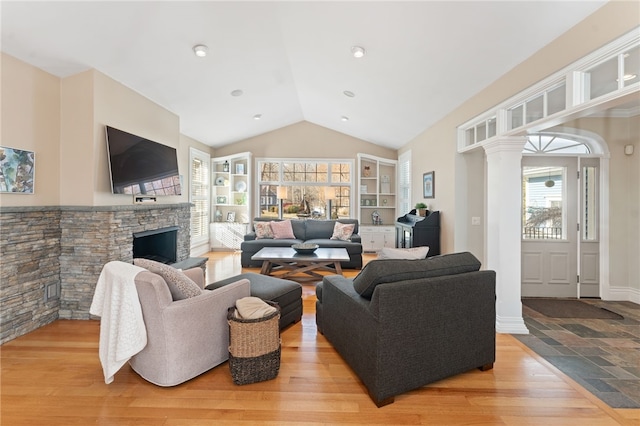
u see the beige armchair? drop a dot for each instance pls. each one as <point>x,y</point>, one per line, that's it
<point>186,337</point>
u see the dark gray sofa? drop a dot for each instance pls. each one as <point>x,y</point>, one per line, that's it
<point>402,324</point>
<point>316,231</point>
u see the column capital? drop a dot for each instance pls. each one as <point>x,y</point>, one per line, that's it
<point>505,144</point>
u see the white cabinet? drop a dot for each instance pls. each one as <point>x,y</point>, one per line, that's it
<point>230,198</point>
<point>375,238</point>
<point>376,190</point>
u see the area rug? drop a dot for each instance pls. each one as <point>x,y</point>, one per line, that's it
<point>569,308</point>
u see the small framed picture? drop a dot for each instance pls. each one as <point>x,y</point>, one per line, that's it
<point>239,169</point>
<point>17,170</point>
<point>428,184</point>
<point>221,199</point>
<point>231,217</point>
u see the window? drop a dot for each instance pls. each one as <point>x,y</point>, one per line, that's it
<point>543,215</point>
<point>199,197</point>
<point>589,203</point>
<point>404,182</point>
<point>551,144</point>
<point>308,186</point>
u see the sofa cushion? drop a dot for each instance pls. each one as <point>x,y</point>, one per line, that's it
<point>319,229</point>
<point>342,231</point>
<point>180,286</point>
<point>381,271</point>
<point>263,230</point>
<point>400,253</point>
<point>282,230</point>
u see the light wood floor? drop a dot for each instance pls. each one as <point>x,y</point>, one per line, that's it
<point>52,376</point>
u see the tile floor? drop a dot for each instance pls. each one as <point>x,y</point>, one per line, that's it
<point>601,355</point>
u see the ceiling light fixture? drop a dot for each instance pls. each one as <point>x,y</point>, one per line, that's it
<point>200,50</point>
<point>357,51</point>
<point>237,93</point>
<point>349,93</point>
<point>257,116</point>
<point>344,118</point>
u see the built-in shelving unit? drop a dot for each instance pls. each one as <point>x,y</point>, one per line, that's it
<point>231,184</point>
<point>377,200</point>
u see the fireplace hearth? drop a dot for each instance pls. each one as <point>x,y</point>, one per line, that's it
<point>160,245</point>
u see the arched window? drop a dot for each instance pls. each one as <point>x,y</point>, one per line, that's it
<point>542,143</point>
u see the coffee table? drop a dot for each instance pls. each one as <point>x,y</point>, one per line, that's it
<point>287,259</point>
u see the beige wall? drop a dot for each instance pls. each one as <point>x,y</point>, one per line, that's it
<point>120,107</point>
<point>63,121</point>
<point>77,168</point>
<point>435,148</point>
<point>30,120</point>
<point>305,140</point>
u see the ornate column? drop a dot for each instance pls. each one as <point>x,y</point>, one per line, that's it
<point>504,198</point>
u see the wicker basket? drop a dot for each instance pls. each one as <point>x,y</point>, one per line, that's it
<point>254,347</point>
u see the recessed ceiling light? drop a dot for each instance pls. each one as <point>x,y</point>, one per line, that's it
<point>237,92</point>
<point>257,116</point>
<point>344,118</point>
<point>349,93</point>
<point>357,51</point>
<point>200,50</point>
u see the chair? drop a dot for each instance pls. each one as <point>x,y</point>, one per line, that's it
<point>186,337</point>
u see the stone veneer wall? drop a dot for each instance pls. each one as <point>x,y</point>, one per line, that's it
<point>67,246</point>
<point>29,262</point>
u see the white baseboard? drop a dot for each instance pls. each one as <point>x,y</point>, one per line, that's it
<point>624,294</point>
<point>511,325</point>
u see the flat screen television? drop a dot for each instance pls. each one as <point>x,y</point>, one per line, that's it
<point>140,166</point>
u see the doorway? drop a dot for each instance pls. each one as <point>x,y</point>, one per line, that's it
<point>560,245</point>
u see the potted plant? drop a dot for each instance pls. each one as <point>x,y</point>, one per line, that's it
<point>422,209</point>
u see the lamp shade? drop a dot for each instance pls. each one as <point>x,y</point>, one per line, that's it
<point>329,193</point>
<point>282,192</point>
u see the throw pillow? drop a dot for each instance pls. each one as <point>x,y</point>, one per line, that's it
<point>263,230</point>
<point>180,286</point>
<point>282,230</point>
<point>342,231</point>
<point>391,270</point>
<point>400,253</point>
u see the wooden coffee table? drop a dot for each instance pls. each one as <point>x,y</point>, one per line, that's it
<point>286,259</point>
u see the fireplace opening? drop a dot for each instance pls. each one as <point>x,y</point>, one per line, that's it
<point>160,245</point>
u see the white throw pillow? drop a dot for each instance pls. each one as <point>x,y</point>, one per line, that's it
<point>400,253</point>
<point>343,231</point>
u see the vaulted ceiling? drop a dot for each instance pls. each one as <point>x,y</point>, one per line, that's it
<point>292,61</point>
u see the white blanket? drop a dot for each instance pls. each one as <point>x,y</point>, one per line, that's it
<point>122,330</point>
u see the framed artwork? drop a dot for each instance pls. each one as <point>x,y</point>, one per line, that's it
<point>428,184</point>
<point>17,170</point>
<point>239,169</point>
<point>221,199</point>
<point>231,217</point>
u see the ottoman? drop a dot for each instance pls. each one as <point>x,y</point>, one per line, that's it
<point>287,294</point>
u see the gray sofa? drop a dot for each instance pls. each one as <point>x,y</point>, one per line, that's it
<point>402,324</point>
<point>305,230</point>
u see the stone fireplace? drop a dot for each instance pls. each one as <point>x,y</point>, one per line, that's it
<point>52,256</point>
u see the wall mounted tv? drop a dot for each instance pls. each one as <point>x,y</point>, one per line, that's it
<point>140,166</point>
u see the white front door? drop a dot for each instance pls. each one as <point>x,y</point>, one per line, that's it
<point>549,226</point>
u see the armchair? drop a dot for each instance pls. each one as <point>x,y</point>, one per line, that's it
<point>186,337</point>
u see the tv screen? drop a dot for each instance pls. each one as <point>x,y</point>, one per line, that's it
<point>140,166</point>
